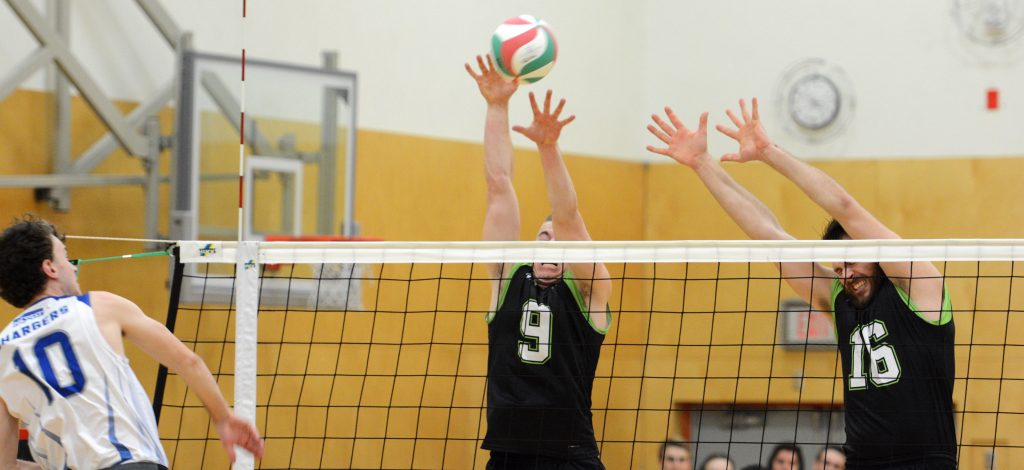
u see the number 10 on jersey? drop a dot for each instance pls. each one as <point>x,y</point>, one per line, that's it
<point>535,330</point>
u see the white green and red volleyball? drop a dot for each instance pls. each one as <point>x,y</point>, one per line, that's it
<point>524,48</point>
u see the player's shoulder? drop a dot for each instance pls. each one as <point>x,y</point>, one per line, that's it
<point>110,303</point>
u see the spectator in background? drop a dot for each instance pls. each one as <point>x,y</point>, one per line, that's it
<point>718,462</point>
<point>830,458</point>
<point>675,455</point>
<point>786,457</point>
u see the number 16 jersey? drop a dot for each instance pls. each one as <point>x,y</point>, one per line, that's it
<point>81,402</point>
<point>898,370</point>
<point>542,355</point>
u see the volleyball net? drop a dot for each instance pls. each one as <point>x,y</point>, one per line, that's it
<point>374,354</point>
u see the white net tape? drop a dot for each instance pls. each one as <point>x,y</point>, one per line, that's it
<point>625,252</point>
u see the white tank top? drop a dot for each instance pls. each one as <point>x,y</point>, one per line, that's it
<point>82,404</point>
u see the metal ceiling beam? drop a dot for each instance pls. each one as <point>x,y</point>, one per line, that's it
<point>102,148</point>
<point>73,69</point>
<point>57,181</point>
<point>106,145</point>
<point>162,20</point>
<point>60,198</point>
<point>24,69</point>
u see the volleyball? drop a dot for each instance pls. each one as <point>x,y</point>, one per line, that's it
<point>524,48</point>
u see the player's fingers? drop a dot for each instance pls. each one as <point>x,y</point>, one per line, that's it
<point>547,102</point>
<point>728,132</point>
<point>519,129</point>
<point>254,448</point>
<point>488,65</point>
<point>732,117</point>
<point>533,104</point>
<point>659,134</point>
<point>473,74</point>
<point>558,109</point>
<point>567,120</point>
<point>753,104</point>
<point>663,125</point>
<point>674,118</point>
<point>703,127</point>
<point>731,157</point>
<point>659,151</point>
<point>743,110</point>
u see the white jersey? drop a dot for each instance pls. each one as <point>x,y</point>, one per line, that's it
<point>82,404</point>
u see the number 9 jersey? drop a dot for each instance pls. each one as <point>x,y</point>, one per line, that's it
<point>81,402</point>
<point>542,355</point>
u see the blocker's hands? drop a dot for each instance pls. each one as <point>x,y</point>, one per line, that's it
<point>545,128</point>
<point>749,133</point>
<point>493,86</point>
<point>684,146</point>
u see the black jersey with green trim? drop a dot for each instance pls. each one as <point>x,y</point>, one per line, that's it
<point>542,356</point>
<point>898,372</point>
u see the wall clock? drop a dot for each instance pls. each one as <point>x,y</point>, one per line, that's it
<point>816,99</point>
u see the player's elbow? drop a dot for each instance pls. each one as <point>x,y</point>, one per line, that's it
<point>568,215</point>
<point>844,205</point>
<point>499,188</point>
<point>566,207</point>
<point>189,363</point>
<point>766,230</point>
<point>498,181</point>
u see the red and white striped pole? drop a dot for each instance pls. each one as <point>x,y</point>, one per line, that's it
<point>241,141</point>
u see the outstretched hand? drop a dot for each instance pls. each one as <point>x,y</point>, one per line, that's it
<point>495,88</point>
<point>749,133</point>
<point>545,128</point>
<point>684,146</point>
<point>235,431</point>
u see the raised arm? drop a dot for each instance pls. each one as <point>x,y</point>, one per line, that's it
<point>921,280</point>
<point>592,278</point>
<point>501,221</point>
<point>688,147</point>
<point>155,340</point>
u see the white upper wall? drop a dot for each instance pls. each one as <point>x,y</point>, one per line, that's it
<point>919,87</point>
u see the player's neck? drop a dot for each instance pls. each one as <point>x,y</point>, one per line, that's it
<point>545,283</point>
<point>51,290</point>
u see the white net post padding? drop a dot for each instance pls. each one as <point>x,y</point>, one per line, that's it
<point>247,290</point>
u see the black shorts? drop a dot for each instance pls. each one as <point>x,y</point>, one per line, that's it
<point>932,464</point>
<point>513,461</point>
<point>137,466</point>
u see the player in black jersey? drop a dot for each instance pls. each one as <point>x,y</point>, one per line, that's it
<point>545,333</point>
<point>893,320</point>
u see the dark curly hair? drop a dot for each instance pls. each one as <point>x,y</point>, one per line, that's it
<point>834,231</point>
<point>23,248</point>
<point>792,447</point>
